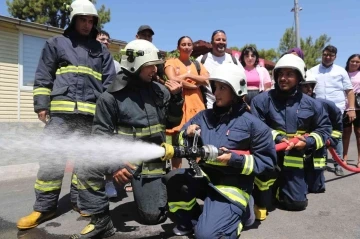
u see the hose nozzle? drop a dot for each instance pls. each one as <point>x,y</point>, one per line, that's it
<point>169,151</point>
<point>206,152</point>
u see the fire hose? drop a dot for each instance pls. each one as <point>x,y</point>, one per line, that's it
<point>282,146</point>
<point>210,152</point>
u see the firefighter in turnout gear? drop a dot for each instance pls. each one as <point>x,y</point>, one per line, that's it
<point>227,185</point>
<point>315,164</point>
<point>135,108</point>
<point>74,69</point>
<point>290,113</point>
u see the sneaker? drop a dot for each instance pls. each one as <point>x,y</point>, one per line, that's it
<point>180,231</point>
<point>339,171</point>
<point>110,189</point>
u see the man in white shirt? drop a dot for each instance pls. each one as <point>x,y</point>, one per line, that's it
<point>213,59</point>
<point>333,83</point>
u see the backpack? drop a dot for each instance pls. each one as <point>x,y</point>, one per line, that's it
<point>203,59</point>
<point>202,88</point>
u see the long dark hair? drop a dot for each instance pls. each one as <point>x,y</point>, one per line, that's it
<point>348,61</point>
<point>245,52</point>
<point>181,38</point>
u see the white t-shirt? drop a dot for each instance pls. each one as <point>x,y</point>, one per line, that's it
<point>117,66</point>
<point>210,64</point>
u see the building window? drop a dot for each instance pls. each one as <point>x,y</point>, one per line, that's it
<point>30,51</point>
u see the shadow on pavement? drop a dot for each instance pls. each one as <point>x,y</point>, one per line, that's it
<point>338,178</point>
<point>124,213</point>
<point>37,233</point>
<point>255,225</point>
<point>9,229</point>
<point>64,205</point>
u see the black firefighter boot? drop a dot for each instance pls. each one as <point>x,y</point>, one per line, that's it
<point>100,226</point>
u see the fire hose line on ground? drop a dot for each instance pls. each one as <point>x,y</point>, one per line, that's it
<point>282,147</point>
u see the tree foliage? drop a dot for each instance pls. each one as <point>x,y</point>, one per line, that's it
<point>173,54</point>
<point>312,49</point>
<point>270,54</point>
<point>49,12</point>
<point>176,54</point>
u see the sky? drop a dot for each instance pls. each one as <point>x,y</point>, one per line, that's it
<point>261,22</point>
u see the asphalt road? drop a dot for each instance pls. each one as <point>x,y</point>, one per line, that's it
<point>333,214</point>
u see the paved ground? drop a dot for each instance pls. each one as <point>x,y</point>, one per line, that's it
<point>334,214</point>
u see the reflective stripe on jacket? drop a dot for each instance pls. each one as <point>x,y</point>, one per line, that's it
<point>238,130</point>
<point>141,111</point>
<point>71,74</point>
<point>291,116</point>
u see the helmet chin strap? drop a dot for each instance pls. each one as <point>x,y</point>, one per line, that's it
<point>289,92</point>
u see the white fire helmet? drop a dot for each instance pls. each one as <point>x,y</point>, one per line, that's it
<point>310,78</point>
<point>231,75</point>
<point>293,62</point>
<point>138,53</point>
<point>83,7</point>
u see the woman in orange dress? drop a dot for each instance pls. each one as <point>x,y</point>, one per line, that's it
<point>184,70</point>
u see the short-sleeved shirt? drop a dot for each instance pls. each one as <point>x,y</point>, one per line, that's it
<point>332,82</point>
<point>252,77</point>
<point>257,76</point>
<point>193,100</point>
<point>355,80</point>
<point>211,63</point>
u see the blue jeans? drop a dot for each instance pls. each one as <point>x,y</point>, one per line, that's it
<point>339,151</point>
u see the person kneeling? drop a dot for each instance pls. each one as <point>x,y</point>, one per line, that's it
<point>134,108</point>
<point>228,181</point>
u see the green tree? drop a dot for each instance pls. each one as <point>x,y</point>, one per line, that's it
<point>173,54</point>
<point>269,54</point>
<point>287,41</point>
<point>176,54</point>
<point>235,48</point>
<point>49,12</point>
<point>312,49</point>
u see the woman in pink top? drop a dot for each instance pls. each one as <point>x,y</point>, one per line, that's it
<point>353,69</point>
<point>258,78</point>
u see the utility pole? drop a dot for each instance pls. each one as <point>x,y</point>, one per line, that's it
<point>296,11</point>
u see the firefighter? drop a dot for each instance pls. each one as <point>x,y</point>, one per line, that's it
<point>290,113</point>
<point>74,69</point>
<point>229,179</point>
<point>314,167</point>
<point>135,108</point>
